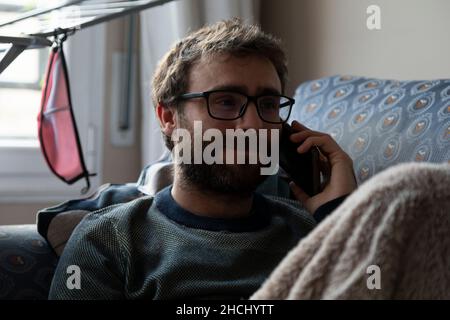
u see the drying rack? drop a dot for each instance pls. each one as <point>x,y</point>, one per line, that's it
<point>49,27</point>
<point>41,26</point>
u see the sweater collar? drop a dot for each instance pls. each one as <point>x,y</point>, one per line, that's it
<point>259,216</point>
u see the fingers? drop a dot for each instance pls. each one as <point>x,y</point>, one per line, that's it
<point>309,138</point>
<point>302,132</point>
<point>300,136</point>
<point>325,142</point>
<point>297,126</point>
<point>299,194</point>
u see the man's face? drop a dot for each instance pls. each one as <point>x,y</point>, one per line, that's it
<point>252,75</point>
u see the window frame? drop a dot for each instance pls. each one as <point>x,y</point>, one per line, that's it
<point>29,85</point>
<point>9,7</point>
<point>24,174</point>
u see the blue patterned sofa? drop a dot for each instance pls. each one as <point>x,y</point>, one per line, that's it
<point>27,263</point>
<point>379,123</point>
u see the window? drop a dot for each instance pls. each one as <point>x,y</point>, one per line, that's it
<point>24,175</point>
<point>21,79</point>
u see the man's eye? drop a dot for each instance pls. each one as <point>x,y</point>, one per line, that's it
<point>225,102</point>
<point>269,104</point>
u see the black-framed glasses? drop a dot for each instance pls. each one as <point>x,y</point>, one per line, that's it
<point>231,105</point>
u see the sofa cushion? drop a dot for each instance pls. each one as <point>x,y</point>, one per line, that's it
<point>56,223</point>
<point>379,122</point>
<point>27,263</point>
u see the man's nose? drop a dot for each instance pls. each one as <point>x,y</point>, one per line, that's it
<point>250,119</point>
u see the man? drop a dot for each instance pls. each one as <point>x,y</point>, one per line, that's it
<point>209,235</point>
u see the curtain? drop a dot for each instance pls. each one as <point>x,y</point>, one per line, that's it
<point>160,27</point>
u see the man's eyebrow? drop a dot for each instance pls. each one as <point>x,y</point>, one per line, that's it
<point>244,89</point>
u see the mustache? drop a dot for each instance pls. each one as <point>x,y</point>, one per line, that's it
<point>234,139</point>
<point>239,146</point>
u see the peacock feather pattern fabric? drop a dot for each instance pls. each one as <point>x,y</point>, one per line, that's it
<point>379,123</point>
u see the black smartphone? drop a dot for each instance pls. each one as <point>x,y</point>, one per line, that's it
<point>302,168</point>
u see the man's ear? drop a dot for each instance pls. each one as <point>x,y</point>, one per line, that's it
<point>167,118</point>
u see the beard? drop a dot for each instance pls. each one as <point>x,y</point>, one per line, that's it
<point>231,179</point>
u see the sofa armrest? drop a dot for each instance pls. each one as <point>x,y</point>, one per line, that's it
<point>27,263</point>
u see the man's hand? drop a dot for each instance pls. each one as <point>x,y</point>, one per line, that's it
<point>341,180</point>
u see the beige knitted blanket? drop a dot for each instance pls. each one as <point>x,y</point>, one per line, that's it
<point>390,239</point>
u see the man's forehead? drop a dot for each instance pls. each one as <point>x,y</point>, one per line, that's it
<point>233,86</point>
<point>238,59</point>
<point>243,73</point>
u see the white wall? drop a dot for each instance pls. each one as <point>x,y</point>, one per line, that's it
<point>326,37</point>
